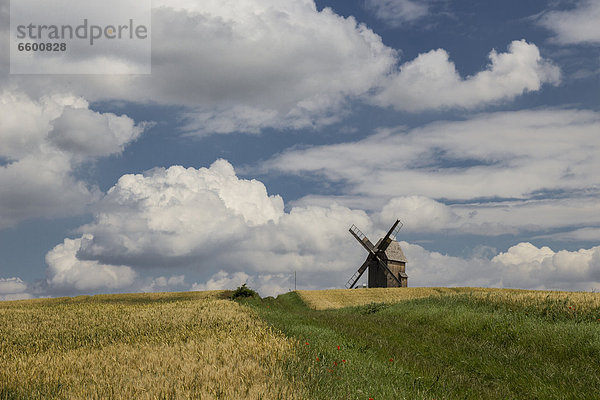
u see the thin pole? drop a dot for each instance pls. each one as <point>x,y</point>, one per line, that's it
<point>294,280</point>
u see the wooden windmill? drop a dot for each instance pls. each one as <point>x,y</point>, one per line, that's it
<point>386,261</point>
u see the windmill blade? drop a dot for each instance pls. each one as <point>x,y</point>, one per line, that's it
<point>387,270</point>
<point>385,242</point>
<point>362,239</point>
<point>352,281</point>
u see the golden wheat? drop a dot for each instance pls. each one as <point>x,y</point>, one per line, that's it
<point>339,298</point>
<point>178,346</point>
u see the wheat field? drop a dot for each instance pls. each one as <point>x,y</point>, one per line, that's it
<point>339,298</point>
<point>145,346</point>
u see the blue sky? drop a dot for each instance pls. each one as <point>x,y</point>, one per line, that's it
<point>268,127</point>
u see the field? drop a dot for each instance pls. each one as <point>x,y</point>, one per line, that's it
<point>415,343</point>
<point>439,343</point>
<point>147,346</point>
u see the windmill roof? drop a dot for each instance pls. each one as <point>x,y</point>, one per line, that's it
<point>394,251</point>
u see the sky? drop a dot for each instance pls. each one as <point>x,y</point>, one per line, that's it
<point>266,128</point>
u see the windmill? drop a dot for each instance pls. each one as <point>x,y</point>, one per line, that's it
<point>386,261</point>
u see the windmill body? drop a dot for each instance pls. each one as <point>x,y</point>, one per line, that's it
<point>396,263</point>
<point>386,261</point>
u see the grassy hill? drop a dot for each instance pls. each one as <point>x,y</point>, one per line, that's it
<point>414,343</point>
<point>439,343</point>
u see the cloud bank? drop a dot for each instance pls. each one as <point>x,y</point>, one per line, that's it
<point>522,266</point>
<point>204,219</point>
<point>285,64</point>
<point>232,231</point>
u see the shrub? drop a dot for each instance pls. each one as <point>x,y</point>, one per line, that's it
<point>244,291</point>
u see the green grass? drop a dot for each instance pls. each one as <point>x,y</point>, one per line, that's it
<point>448,347</point>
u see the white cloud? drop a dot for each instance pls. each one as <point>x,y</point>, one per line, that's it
<point>265,285</point>
<point>16,296</point>
<point>164,284</point>
<point>13,289</point>
<point>431,80</point>
<point>25,122</point>
<point>575,26</point>
<point>177,213</point>
<point>431,268</point>
<point>85,133</point>
<point>284,64</point>
<point>522,266</point>
<point>67,272</point>
<point>245,66</point>
<point>505,154</point>
<point>223,281</point>
<point>526,265</point>
<point>231,231</point>
<point>43,140</point>
<point>418,213</point>
<point>41,186</point>
<point>488,218</point>
<point>207,220</point>
<point>510,217</point>
<point>12,285</point>
<point>180,216</point>
<point>499,173</point>
<point>397,12</point>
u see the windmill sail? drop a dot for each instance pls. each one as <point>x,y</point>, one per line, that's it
<point>387,239</point>
<point>362,239</point>
<point>354,278</point>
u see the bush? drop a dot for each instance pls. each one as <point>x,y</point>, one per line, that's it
<point>244,291</point>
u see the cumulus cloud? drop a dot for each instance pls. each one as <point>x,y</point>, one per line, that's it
<point>575,26</point>
<point>180,216</point>
<point>176,214</point>
<point>268,62</point>
<point>521,266</point>
<point>231,231</point>
<point>431,81</point>
<point>42,142</point>
<point>67,272</point>
<point>431,268</point>
<point>528,266</point>
<point>397,12</point>
<point>206,220</point>
<point>13,289</point>
<point>84,133</point>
